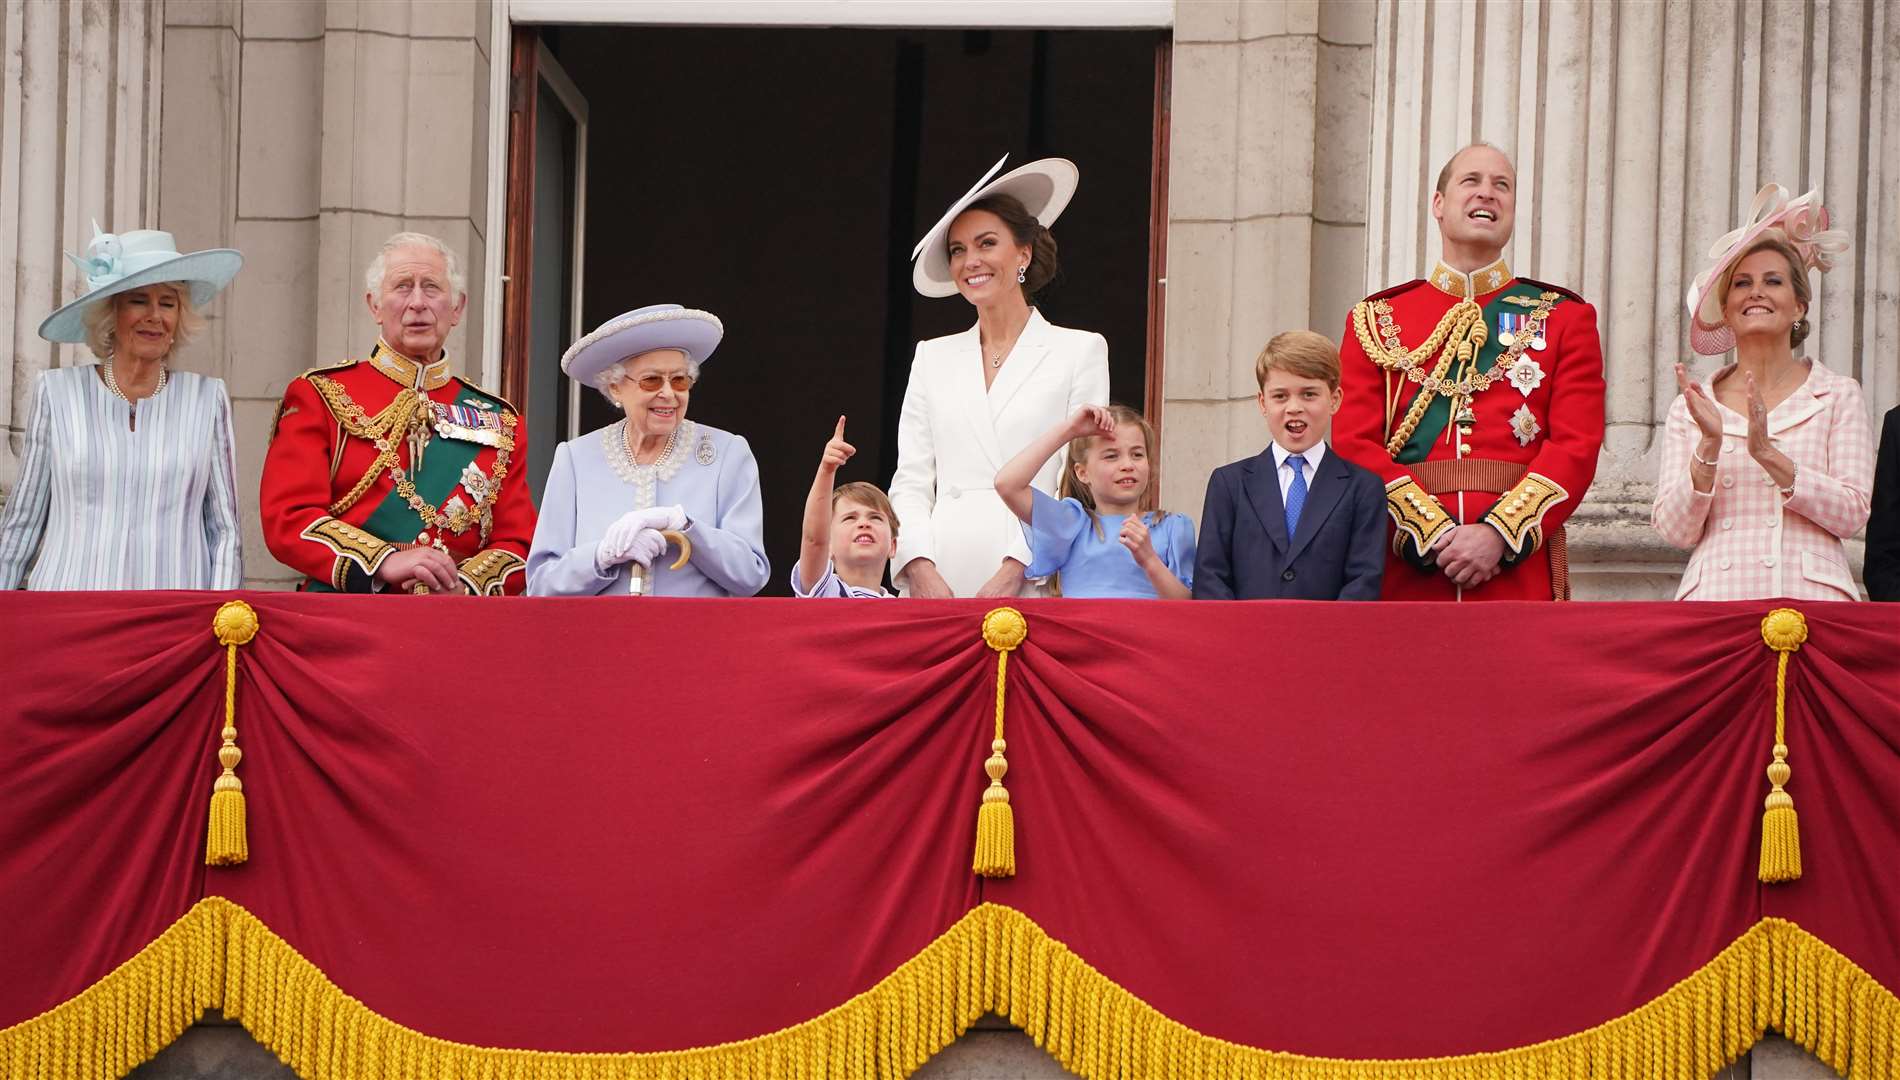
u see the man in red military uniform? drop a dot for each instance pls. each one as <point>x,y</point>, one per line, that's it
<point>1478,396</point>
<point>390,473</point>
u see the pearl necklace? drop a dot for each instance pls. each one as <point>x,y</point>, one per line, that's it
<point>112,384</point>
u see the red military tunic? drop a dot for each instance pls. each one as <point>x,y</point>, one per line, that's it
<point>377,455</point>
<point>1449,397</point>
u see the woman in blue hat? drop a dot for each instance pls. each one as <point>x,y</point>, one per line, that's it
<point>617,499</point>
<point>127,480</point>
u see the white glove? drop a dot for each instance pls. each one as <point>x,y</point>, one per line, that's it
<point>663,517</point>
<point>617,546</point>
<point>647,546</point>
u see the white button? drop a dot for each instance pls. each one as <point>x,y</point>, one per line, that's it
<point>1728,448</point>
<point>1728,481</point>
<point>955,491</point>
<point>1727,524</point>
<point>1723,565</point>
<point>1774,523</point>
<point>1768,562</point>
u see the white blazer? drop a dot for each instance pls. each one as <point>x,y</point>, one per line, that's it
<point>953,435</point>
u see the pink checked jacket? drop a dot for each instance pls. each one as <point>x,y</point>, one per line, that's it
<point>1749,542</point>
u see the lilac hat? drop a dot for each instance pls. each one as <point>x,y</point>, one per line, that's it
<point>656,326</point>
<point>1802,222</point>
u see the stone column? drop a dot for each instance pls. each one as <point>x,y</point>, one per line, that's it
<point>1641,133</point>
<point>79,115</point>
<point>1266,223</point>
<point>303,134</point>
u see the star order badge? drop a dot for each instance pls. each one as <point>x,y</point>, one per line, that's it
<point>1526,375</point>
<point>1524,425</point>
<point>475,482</point>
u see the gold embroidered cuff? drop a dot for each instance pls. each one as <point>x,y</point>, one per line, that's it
<point>486,572</point>
<point>1416,514</point>
<point>1519,513</point>
<point>354,548</point>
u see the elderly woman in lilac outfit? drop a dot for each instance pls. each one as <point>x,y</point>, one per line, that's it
<point>619,500</point>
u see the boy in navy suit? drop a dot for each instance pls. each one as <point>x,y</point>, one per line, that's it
<point>1296,521</point>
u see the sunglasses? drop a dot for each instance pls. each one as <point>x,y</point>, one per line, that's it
<point>652,381</point>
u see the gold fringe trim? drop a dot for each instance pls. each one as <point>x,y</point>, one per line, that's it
<point>994,959</point>
<point>1783,630</point>
<point>225,837</point>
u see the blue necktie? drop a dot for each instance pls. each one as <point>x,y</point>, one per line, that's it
<point>1295,494</point>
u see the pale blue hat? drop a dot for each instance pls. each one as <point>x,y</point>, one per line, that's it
<point>656,326</point>
<point>133,260</point>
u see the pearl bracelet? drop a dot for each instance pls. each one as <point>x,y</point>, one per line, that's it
<point>1698,459</point>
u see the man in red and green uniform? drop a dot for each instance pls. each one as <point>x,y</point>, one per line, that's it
<point>1478,396</point>
<point>390,473</point>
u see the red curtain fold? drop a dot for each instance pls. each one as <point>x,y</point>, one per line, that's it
<point>1348,830</point>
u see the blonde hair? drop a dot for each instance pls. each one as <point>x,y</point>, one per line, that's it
<point>1797,280</point>
<point>101,320</point>
<point>1073,488</point>
<point>869,495</point>
<point>1301,353</point>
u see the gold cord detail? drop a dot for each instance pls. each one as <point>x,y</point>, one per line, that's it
<point>225,838</point>
<point>1783,630</point>
<point>1004,629</point>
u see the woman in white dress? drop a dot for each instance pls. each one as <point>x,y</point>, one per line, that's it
<point>975,399</point>
<point>127,479</point>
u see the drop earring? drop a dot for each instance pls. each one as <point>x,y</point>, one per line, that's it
<point>1022,272</point>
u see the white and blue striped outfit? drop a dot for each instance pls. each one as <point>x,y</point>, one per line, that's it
<point>100,506</point>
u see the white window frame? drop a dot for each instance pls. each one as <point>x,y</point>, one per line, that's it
<point>939,14</point>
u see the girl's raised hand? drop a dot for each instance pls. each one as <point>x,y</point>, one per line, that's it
<point>1134,536</point>
<point>1091,420</point>
<point>837,451</point>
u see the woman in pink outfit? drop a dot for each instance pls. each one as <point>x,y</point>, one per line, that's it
<point>1768,465</point>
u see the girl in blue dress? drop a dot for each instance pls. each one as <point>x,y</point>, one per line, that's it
<point>1104,536</point>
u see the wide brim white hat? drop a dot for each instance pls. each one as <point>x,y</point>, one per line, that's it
<point>1044,187</point>
<point>135,260</point>
<point>1802,222</point>
<point>656,326</point>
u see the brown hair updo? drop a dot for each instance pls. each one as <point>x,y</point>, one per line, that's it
<point>1797,280</point>
<point>1024,229</point>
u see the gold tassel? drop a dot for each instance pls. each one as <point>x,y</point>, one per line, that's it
<point>225,840</point>
<point>1003,630</point>
<point>1783,630</point>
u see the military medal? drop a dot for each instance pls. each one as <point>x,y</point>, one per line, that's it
<point>1537,341</point>
<point>470,424</point>
<point>1526,374</point>
<point>1507,327</point>
<point>475,482</point>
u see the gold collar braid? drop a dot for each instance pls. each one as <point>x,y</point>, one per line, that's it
<point>1455,282</point>
<point>407,373</point>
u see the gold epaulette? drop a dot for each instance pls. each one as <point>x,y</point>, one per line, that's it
<point>1415,513</point>
<point>1519,513</point>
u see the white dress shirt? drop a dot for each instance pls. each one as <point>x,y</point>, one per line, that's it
<point>1311,456</point>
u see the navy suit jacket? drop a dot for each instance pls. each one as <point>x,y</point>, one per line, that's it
<point>1245,553</point>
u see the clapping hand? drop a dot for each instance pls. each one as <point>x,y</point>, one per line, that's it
<point>837,451</point>
<point>1759,444</point>
<point>1708,420</point>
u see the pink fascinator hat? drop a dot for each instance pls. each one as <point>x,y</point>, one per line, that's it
<point>1802,222</point>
